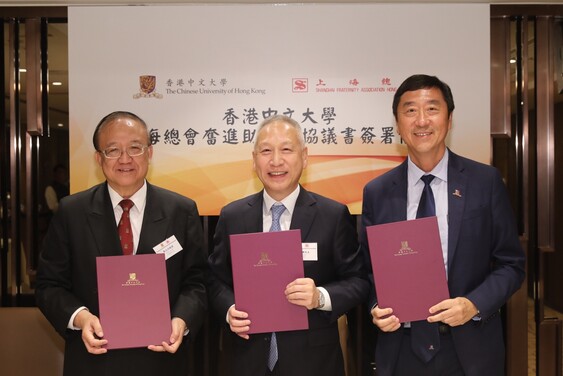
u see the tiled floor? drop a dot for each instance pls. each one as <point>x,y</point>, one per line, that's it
<point>532,334</point>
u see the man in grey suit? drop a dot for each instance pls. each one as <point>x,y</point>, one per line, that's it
<point>334,278</point>
<point>85,227</point>
<point>481,251</point>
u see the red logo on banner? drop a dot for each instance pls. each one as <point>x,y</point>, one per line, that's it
<point>300,85</point>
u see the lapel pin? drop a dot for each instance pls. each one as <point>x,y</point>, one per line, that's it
<point>457,193</point>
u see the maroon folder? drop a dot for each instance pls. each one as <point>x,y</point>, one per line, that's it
<point>408,267</point>
<point>264,264</point>
<point>133,299</point>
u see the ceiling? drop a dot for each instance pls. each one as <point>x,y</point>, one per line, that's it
<point>163,2</point>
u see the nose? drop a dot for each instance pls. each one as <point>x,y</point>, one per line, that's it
<point>276,159</point>
<point>124,157</point>
<point>422,119</point>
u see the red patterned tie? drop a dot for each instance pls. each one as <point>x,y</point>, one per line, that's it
<point>124,228</point>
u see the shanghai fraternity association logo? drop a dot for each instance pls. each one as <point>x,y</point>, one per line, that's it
<point>147,86</point>
<point>300,85</point>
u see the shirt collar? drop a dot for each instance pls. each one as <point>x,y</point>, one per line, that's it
<point>440,170</point>
<point>288,202</point>
<point>139,198</point>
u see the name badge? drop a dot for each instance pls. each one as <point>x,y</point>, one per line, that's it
<point>169,247</point>
<point>309,251</point>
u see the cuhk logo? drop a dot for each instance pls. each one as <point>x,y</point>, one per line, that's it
<point>147,86</point>
<point>147,83</point>
<point>300,85</point>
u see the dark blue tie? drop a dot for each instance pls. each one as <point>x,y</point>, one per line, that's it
<point>277,210</point>
<point>425,338</point>
<point>426,206</point>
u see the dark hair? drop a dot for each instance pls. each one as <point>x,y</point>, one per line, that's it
<point>114,116</point>
<point>423,81</point>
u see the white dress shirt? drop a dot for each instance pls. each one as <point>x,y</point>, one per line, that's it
<point>439,187</point>
<point>136,213</point>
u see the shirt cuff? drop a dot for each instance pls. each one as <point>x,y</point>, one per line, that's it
<point>70,324</point>
<point>227,315</point>
<point>328,303</point>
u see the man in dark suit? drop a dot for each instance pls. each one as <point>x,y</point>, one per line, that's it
<point>334,280</point>
<point>482,254</point>
<point>85,227</point>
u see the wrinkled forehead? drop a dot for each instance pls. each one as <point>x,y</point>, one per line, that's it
<point>277,132</point>
<point>123,129</point>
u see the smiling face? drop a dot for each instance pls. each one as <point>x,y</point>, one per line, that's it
<point>279,158</point>
<point>423,123</point>
<point>125,174</point>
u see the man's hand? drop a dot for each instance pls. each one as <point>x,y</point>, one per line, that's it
<point>303,292</point>
<point>453,312</point>
<point>238,322</point>
<point>384,319</point>
<point>179,327</point>
<point>92,334</point>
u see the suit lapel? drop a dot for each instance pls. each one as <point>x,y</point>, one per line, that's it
<point>457,184</point>
<point>304,213</point>
<point>252,214</point>
<point>155,222</point>
<point>101,221</point>
<point>398,193</point>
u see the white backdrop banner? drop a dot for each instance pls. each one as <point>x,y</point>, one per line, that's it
<point>204,76</point>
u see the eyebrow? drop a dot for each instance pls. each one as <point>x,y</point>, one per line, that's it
<point>134,141</point>
<point>431,101</point>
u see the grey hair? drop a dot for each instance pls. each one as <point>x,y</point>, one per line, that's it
<point>282,119</point>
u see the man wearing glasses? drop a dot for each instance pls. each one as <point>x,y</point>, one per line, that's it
<point>86,226</point>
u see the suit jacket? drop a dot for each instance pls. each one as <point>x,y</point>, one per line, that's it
<point>485,259</point>
<point>84,228</point>
<point>339,269</point>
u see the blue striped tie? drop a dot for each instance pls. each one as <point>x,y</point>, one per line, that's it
<point>277,210</point>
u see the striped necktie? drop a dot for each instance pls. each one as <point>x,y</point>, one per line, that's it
<point>277,210</point>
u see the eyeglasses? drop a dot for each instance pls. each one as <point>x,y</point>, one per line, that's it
<point>131,150</point>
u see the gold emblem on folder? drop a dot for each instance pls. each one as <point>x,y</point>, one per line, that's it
<point>405,249</point>
<point>265,260</point>
<point>132,281</point>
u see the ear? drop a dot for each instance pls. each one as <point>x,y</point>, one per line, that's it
<point>305,156</point>
<point>397,128</point>
<point>98,157</point>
